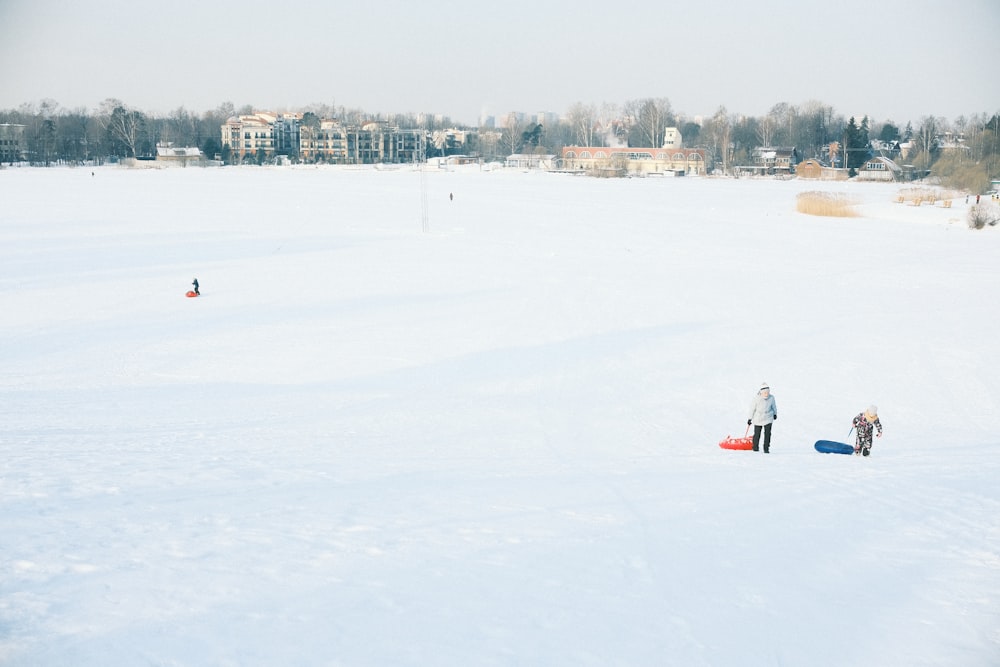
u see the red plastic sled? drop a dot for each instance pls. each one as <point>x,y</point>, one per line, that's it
<point>191,292</point>
<point>736,443</point>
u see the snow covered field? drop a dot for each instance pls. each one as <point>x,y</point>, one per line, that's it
<point>494,442</point>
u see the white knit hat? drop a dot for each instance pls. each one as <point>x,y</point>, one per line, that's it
<point>763,386</point>
<point>872,410</point>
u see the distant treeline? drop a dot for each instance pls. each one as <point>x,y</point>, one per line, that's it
<point>964,150</point>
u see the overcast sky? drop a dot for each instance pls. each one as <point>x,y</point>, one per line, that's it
<point>896,60</point>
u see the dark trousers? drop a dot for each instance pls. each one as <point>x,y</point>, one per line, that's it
<point>767,437</point>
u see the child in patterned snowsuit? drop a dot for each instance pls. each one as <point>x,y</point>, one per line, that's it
<point>865,423</point>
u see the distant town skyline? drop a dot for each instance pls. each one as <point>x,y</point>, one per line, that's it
<point>892,60</point>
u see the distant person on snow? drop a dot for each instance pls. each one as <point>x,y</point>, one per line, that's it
<point>763,413</point>
<point>195,283</point>
<point>865,424</point>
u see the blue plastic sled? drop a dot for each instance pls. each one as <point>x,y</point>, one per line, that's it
<point>831,447</point>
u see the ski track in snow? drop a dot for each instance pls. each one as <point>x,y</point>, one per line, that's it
<point>494,443</point>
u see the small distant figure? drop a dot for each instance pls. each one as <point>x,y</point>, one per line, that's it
<point>763,414</point>
<point>865,424</point>
<point>977,200</point>
<point>451,196</point>
<point>195,284</point>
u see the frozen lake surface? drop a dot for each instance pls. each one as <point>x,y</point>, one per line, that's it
<point>493,442</point>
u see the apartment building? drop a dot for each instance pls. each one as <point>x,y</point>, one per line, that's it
<point>270,135</point>
<point>249,134</point>
<point>328,142</point>
<point>12,145</point>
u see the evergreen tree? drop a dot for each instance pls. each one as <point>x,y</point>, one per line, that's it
<point>889,133</point>
<point>851,133</point>
<point>856,145</point>
<point>862,150</point>
<point>532,137</point>
<point>993,124</point>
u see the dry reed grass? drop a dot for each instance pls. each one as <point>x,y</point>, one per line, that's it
<point>927,195</point>
<point>829,204</point>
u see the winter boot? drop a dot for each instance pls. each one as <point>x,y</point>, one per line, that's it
<point>865,451</point>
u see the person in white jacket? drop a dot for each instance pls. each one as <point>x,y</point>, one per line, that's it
<point>763,413</point>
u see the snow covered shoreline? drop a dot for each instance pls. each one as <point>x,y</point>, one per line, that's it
<point>493,443</point>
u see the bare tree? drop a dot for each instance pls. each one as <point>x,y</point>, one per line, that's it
<point>224,111</point>
<point>583,120</point>
<point>812,128</point>
<point>355,116</point>
<point>783,117</point>
<point>488,141</point>
<point>42,132</point>
<point>180,127</point>
<point>73,135</point>
<point>765,131</point>
<point>718,130</point>
<point>989,144</point>
<point>613,131</point>
<point>925,143</point>
<point>513,132</point>
<point>122,124</point>
<point>648,120</point>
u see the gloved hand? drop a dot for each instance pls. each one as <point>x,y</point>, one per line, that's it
<point>775,417</point>
<point>749,421</point>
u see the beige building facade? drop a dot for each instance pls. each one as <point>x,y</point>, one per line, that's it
<point>635,161</point>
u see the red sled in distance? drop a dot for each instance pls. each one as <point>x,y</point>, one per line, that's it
<point>191,292</point>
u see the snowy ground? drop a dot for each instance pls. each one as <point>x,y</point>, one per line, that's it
<point>494,442</point>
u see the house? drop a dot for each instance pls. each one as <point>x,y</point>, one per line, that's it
<point>774,161</point>
<point>889,149</point>
<point>530,161</point>
<point>879,169</point>
<point>446,161</point>
<point>814,169</point>
<point>810,168</point>
<point>167,153</point>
